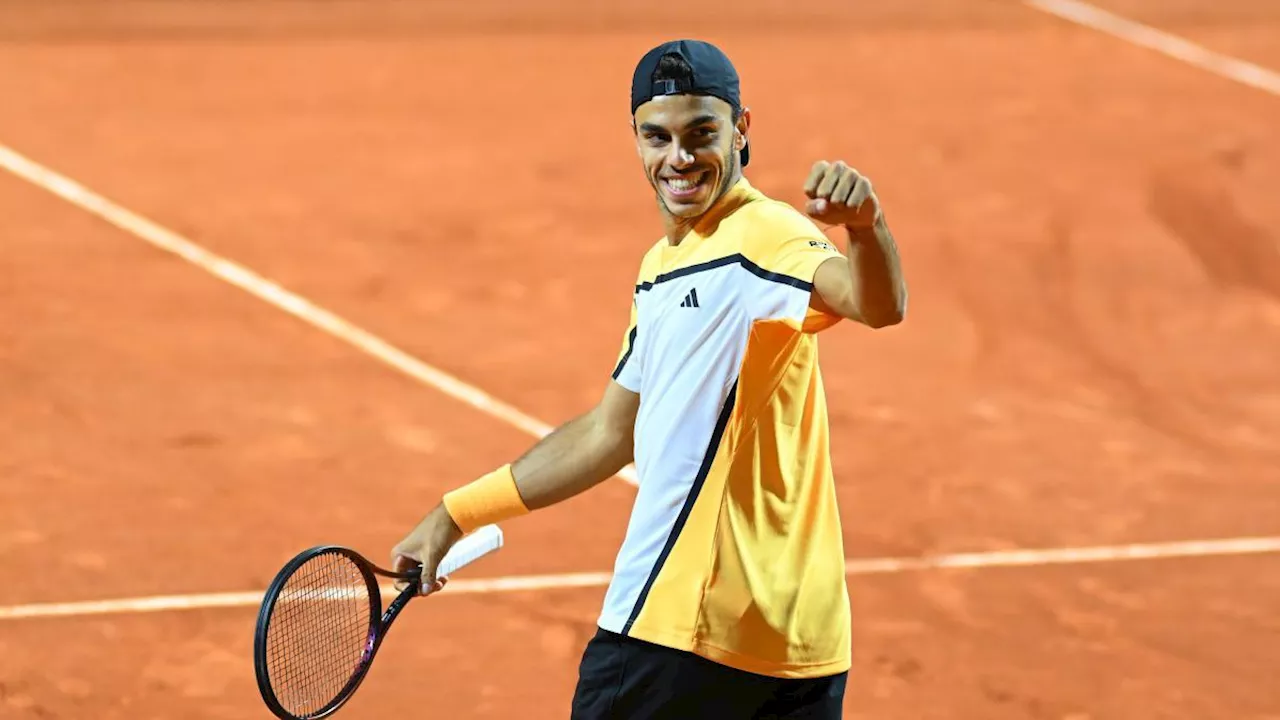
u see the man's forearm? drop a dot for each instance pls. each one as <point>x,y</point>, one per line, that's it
<point>879,291</point>
<point>575,457</point>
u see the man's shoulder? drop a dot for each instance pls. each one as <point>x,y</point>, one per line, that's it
<point>650,262</point>
<point>769,225</point>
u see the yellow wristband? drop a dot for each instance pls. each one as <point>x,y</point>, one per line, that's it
<point>489,499</point>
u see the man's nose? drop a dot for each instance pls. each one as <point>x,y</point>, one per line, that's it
<point>679,156</point>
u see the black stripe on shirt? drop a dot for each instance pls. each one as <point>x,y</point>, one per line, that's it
<point>631,345</point>
<point>712,448</point>
<point>735,259</point>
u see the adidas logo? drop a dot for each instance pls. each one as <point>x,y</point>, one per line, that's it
<point>691,300</point>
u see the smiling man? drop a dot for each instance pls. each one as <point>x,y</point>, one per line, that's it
<point>728,597</point>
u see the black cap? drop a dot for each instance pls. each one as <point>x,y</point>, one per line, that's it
<point>713,74</point>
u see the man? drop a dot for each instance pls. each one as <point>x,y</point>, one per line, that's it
<point>728,597</point>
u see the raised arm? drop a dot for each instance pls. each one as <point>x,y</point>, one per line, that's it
<point>868,286</point>
<point>573,458</point>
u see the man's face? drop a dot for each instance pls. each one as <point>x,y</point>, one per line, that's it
<point>689,149</point>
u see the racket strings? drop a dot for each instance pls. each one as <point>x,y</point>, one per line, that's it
<point>318,633</point>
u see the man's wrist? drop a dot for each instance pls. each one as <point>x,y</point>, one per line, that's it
<point>445,521</point>
<point>487,500</point>
<point>865,233</point>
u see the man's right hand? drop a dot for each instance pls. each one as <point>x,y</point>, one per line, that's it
<point>426,546</point>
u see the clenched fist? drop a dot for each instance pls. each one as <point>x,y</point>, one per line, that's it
<point>839,195</point>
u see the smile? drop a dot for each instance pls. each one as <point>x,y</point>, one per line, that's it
<point>685,185</point>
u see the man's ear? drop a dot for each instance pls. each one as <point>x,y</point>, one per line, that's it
<point>743,124</point>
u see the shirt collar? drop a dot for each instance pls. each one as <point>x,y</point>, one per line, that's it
<point>738,194</point>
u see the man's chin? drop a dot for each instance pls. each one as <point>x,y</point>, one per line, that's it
<point>685,212</point>
<point>685,209</point>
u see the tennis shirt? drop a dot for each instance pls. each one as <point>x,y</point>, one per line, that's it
<point>734,548</point>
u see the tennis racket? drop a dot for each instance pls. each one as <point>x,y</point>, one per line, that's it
<point>321,623</point>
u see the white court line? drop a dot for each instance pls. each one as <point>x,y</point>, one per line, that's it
<point>1162,42</point>
<point>856,566</point>
<point>162,603</point>
<point>273,294</point>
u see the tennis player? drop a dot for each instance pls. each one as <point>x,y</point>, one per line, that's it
<point>728,598</point>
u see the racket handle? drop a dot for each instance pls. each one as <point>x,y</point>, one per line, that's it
<point>470,548</point>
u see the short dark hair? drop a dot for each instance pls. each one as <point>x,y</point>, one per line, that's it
<point>673,67</point>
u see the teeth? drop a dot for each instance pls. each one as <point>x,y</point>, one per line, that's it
<point>682,184</point>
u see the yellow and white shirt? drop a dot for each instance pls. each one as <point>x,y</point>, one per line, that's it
<point>734,548</point>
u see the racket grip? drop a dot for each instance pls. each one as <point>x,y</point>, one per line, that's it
<point>470,548</point>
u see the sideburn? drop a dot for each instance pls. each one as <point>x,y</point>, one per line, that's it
<point>732,169</point>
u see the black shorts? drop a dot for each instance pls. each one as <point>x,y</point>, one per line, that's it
<point>627,679</point>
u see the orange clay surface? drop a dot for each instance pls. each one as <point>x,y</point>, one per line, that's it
<point>1089,232</point>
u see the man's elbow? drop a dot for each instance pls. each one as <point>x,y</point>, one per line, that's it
<point>612,438</point>
<point>887,315</point>
<point>877,322</point>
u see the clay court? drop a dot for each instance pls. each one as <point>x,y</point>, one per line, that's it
<point>1089,231</point>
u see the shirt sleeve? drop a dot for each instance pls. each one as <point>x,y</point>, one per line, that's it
<point>791,264</point>
<point>626,371</point>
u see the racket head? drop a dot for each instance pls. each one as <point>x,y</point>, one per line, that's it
<point>317,631</point>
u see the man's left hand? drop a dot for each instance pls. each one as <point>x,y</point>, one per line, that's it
<point>840,195</point>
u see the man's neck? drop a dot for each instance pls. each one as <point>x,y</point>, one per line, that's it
<point>679,227</point>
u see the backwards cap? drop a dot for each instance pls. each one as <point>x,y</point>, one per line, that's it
<point>713,74</point>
